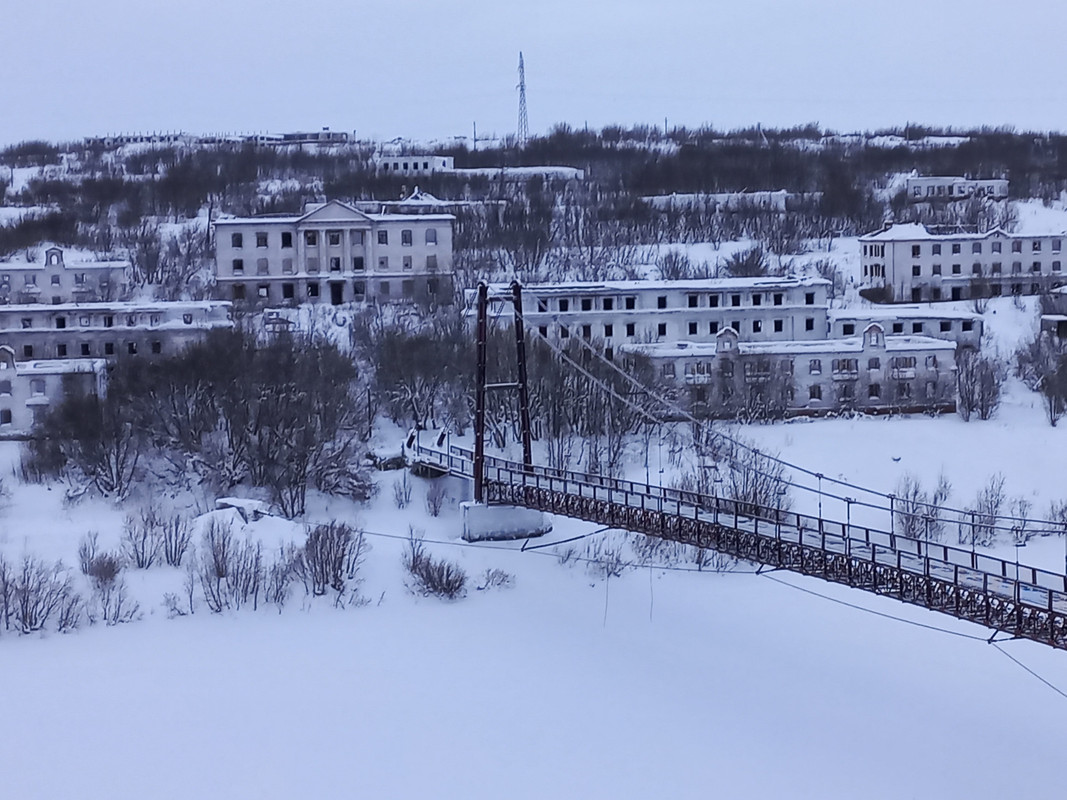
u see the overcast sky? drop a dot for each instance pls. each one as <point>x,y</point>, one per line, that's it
<point>420,69</point>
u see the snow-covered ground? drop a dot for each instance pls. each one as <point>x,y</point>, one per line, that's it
<point>658,683</point>
<point>662,682</point>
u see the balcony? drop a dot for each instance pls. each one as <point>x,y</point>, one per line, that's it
<point>902,373</point>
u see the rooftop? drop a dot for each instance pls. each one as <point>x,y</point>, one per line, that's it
<point>899,312</point>
<point>812,348</point>
<point>701,285</point>
<point>913,231</point>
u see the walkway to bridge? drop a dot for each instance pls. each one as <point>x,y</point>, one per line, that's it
<point>1017,600</point>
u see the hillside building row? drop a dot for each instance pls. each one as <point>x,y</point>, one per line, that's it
<point>913,264</point>
<point>334,253</point>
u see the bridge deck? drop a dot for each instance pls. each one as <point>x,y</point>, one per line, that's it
<point>1021,601</point>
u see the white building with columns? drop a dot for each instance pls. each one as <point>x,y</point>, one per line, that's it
<point>334,253</point>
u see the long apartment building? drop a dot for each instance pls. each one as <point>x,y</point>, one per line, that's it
<point>684,326</point>
<point>109,330</point>
<point>757,309</point>
<point>914,265</point>
<point>335,254</point>
<point>56,280</point>
<point>28,389</point>
<point>628,312</point>
<point>869,372</point>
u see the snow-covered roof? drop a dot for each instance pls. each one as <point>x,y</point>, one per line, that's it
<point>123,308</point>
<point>913,231</point>
<point>792,347</point>
<point>696,285</point>
<point>899,312</point>
<point>71,266</point>
<point>348,214</point>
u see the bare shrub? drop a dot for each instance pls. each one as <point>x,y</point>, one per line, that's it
<point>567,556</point>
<point>331,559</point>
<point>435,497</point>
<point>651,550</point>
<point>216,554</point>
<point>87,550</point>
<point>173,605</point>
<point>175,533</point>
<point>231,573</point>
<point>706,560</point>
<point>751,263</point>
<point>279,577</point>
<point>246,575</point>
<point>675,265</point>
<point>494,578</point>
<point>1021,526</point>
<point>606,559</point>
<point>109,602</point>
<point>431,576</point>
<point>756,480</point>
<point>39,593</point>
<point>7,587</point>
<point>402,491</point>
<point>141,541</point>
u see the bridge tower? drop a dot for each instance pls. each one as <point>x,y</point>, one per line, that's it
<point>519,385</point>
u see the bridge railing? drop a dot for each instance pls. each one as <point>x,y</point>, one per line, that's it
<point>1033,586</point>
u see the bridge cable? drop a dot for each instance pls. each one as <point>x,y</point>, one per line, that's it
<point>1047,683</point>
<point>1053,526</point>
<point>770,577</point>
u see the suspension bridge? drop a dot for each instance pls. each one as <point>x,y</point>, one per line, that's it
<point>1007,597</point>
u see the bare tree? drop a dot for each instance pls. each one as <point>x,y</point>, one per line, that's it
<point>979,382</point>
<point>1041,364</point>
<point>978,525</point>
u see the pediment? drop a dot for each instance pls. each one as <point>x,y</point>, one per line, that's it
<point>334,211</point>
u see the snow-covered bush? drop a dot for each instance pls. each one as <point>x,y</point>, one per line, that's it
<point>402,491</point>
<point>35,593</point>
<point>141,541</point>
<point>429,576</point>
<point>436,493</point>
<point>331,559</point>
<point>231,573</point>
<point>494,578</point>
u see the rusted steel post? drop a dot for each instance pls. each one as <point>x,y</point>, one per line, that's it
<point>479,396</point>
<point>524,399</point>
